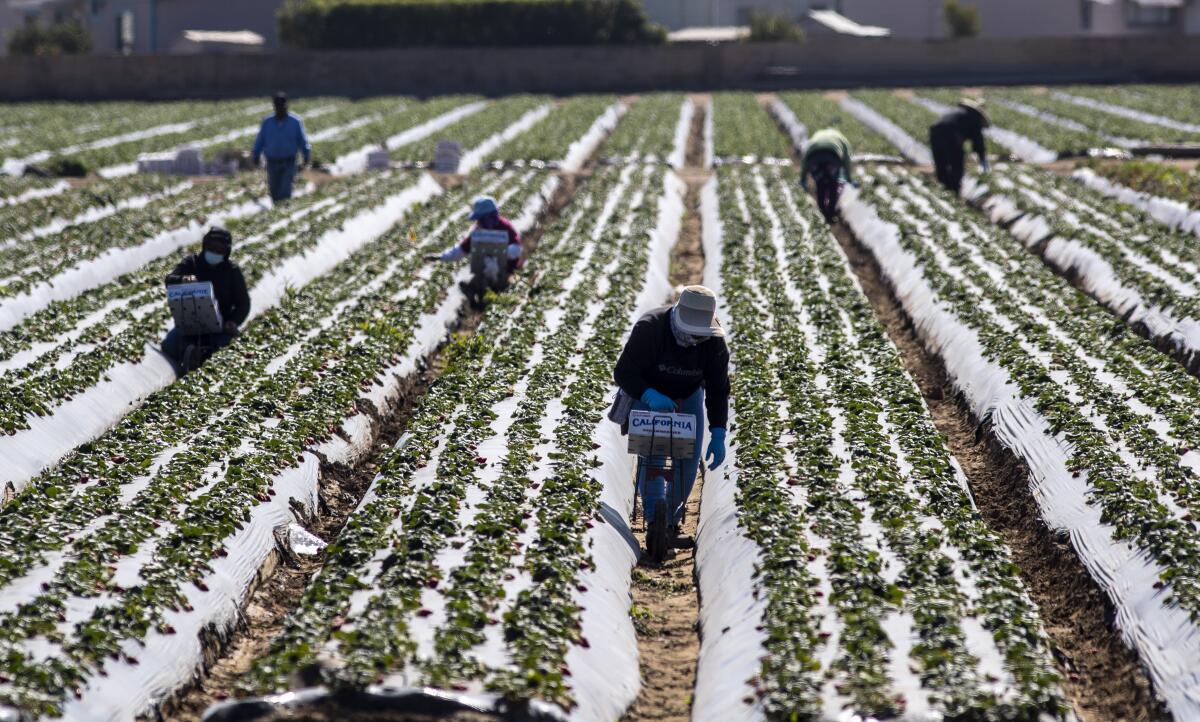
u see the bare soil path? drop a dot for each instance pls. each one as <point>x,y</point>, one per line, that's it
<point>666,604</point>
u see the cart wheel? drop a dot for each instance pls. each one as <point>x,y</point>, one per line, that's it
<point>657,542</point>
<point>191,358</point>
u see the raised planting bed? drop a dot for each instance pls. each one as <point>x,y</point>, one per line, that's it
<point>1104,421</point>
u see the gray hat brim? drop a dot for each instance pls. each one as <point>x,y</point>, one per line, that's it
<point>698,323</point>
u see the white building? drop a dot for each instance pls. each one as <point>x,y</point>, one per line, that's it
<point>676,14</point>
<point>150,26</point>
<point>1034,18</point>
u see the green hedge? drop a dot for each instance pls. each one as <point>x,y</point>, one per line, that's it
<point>322,24</point>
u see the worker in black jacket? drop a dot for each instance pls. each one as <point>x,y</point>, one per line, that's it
<point>676,360</point>
<point>229,286</point>
<point>946,137</point>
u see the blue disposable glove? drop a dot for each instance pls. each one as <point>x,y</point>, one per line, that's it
<point>657,402</point>
<point>716,447</point>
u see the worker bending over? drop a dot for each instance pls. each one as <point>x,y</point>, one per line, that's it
<point>281,138</point>
<point>827,160</point>
<point>494,275</point>
<point>676,360</point>
<point>229,287</point>
<point>946,137</point>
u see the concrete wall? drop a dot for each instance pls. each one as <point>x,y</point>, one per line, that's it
<point>103,26</point>
<point>159,23</point>
<point>907,19</point>
<point>9,20</point>
<point>820,62</point>
<point>1031,18</point>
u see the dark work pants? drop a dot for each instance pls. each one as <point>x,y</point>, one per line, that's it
<point>175,343</point>
<point>827,177</point>
<point>949,160</point>
<point>280,175</point>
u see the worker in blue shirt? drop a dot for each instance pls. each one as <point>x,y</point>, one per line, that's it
<point>281,138</point>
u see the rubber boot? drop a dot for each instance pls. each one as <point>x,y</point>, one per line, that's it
<point>679,540</point>
<point>654,505</point>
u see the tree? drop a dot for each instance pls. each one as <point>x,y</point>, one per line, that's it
<point>766,27</point>
<point>962,21</point>
<point>69,38</point>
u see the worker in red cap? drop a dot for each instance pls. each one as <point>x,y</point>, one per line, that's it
<point>491,273</point>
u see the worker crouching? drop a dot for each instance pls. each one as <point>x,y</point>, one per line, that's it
<point>676,360</point>
<point>211,264</point>
<point>947,136</point>
<point>827,160</point>
<point>494,247</point>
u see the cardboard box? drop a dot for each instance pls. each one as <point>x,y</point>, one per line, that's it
<point>655,434</point>
<point>194,308</point>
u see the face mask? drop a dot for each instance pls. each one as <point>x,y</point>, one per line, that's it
<point>213,259</point>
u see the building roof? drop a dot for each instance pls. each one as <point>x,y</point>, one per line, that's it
<point>709,34</point>
<point>843,25</point>
<point>227,37</point>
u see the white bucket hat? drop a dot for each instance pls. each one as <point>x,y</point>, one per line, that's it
<point>696,312</point>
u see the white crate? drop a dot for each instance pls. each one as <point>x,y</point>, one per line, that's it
<point>446,156</point>
<point>189,161</point>
<point>655,434</point>
<point>156,163</point>
<point>194,308</point>
<point>379,159</point>
<point>489,252</point>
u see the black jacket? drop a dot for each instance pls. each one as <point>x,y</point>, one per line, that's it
<point>652,359</point>
<point>228,284</point>
<point>958,126</point>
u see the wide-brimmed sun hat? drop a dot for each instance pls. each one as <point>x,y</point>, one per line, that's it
<point>696,312</point>
<point>484,206</point>
<point>976,105</point>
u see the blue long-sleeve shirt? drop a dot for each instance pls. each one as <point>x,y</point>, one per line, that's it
<point>282,140</point>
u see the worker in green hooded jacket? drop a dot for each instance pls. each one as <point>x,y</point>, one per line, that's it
<point>827,160</point>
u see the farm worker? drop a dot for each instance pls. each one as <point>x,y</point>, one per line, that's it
<point>486,215</point>
<point>827,160</point>
<point>281,138</point>
<point>676,360</point>
<point>229,286</point>
<point>946,138</point>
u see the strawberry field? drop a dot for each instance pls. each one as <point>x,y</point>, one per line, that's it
<point>387,495</point>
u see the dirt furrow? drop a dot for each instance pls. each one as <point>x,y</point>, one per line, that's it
<point>666,604</point>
